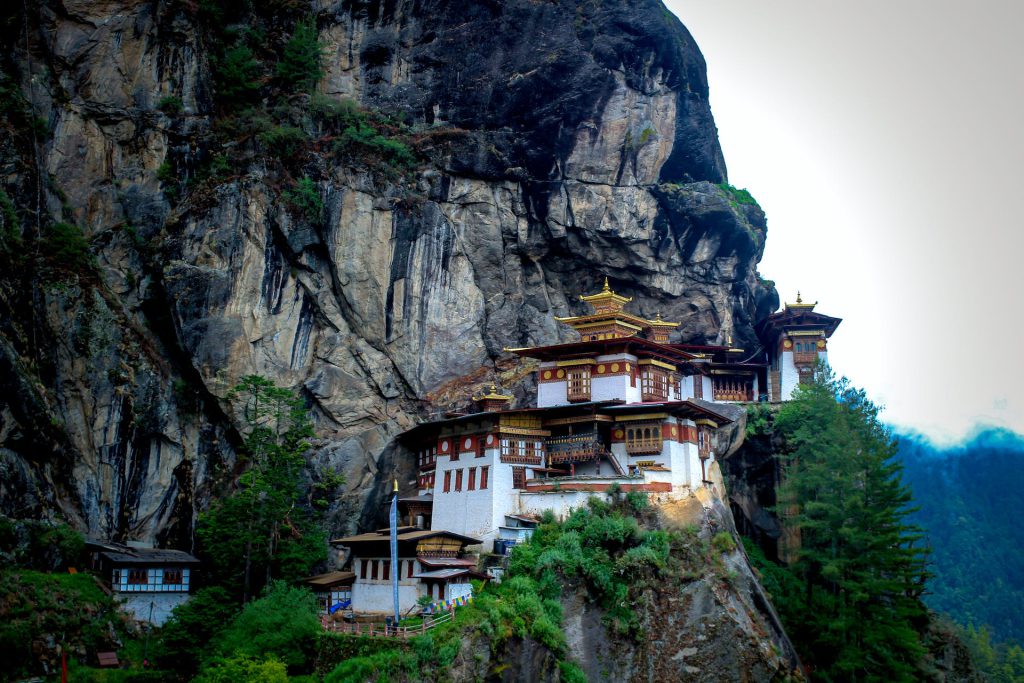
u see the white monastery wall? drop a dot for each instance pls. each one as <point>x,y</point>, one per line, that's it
<point>604,388</point>
<point>788,375</point>
<point>466,512</point>
<point>552,394</point>
<point>377,597</point>
<point>139,604</point>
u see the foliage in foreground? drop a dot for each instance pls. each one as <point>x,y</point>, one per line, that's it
<point>851,600</point>
<point>604,549</point>
<point>998,662</point>
<point>35,605</point>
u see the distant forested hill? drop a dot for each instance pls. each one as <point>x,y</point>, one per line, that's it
<point>971,500</point>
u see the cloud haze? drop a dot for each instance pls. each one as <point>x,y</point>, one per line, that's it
<point>885,141</point>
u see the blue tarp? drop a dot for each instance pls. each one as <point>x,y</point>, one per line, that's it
<point>337,606</point>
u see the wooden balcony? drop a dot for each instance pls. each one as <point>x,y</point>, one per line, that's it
<point>521,459</point>
<point>734,395</point>
<point>642,446</point>
<point>805,357</point>
<point>578,394</point>
<point>575,448</point>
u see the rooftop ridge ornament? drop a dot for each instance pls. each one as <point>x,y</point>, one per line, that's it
<point>494,394</point>
<point>800,305</point>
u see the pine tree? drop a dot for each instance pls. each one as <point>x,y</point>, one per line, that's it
<point>238,73</point>
<point>862,570</point>
<point>264,530</point>
<point>300,66</point>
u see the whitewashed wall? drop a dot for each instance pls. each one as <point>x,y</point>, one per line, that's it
<point>138,604</point>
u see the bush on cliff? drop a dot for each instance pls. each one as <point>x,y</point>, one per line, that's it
<point>283,623</point>
<point>41,610</point>
<point>300,66</point>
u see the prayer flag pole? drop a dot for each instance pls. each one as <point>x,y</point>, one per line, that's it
<point>394,549</point>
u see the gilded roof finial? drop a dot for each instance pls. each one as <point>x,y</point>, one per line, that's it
<point>606,287</point>
<point>798,299</point>
<point>728,339</point>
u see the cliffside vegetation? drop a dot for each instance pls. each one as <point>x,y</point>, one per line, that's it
<point>851,597</point>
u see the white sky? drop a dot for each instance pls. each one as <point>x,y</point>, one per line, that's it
<point>885,141</point>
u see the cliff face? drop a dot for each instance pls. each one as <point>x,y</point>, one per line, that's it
<point>577,144</point>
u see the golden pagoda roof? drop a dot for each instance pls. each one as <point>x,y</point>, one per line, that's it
<point>493,395</point>
<point>800,305</point>
<point>607,306</point>
<point>606,295</point>
<point>658,322</point>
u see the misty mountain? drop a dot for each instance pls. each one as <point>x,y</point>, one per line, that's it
<point>969,499</point>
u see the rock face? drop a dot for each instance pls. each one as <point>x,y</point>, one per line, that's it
<point>585,148</point>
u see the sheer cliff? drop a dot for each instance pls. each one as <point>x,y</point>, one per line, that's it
<point>153,258</point>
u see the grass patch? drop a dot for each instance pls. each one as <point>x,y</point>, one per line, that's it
<point>737,197</point>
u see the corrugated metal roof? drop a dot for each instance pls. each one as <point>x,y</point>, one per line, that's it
<point>329,579</point>
<point>446,562</point>
<point>441,574</point>
<point>385,536</point>
<point>123,554</point>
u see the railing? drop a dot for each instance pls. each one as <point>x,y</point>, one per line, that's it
<point>653,395</point>
<point>805,357</point>
<point>521,459</point>
<point>734,394</point>
<point>578,394</point>
<point>575,448</point>
<point>378,630</point>
<point>642,445</point>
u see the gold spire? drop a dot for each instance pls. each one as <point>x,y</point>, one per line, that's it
<point>606,287</point>
<point>494,395</point>
<point>800,303</point>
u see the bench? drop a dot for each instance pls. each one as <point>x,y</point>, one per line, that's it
<point>108,660</point>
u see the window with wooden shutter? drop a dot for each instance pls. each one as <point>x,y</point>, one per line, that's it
<point>578,383</point>
<point>458,480</point>
<point>471,484</point>
<point>483,476</point>
<point>519,477</point>
<point>447,481</point>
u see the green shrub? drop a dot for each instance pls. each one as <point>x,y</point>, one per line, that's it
<point>244,668</point>
<point>37,605</point>
<point>304,197</point>
<point>737,197</point>
<point>571,673</point>
<point>723,542</point>
<point>362,139</point>
<point>10,226</point>
<point>41,545</point>
<point>284,141</point>
<point>300,65</point>
<point>184,641</point>
<point>237,74</point>
<point>282,623</point>
<point>171,105</point>
<point>65,249</point>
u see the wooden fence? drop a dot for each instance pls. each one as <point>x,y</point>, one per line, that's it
<point>379,630</point>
